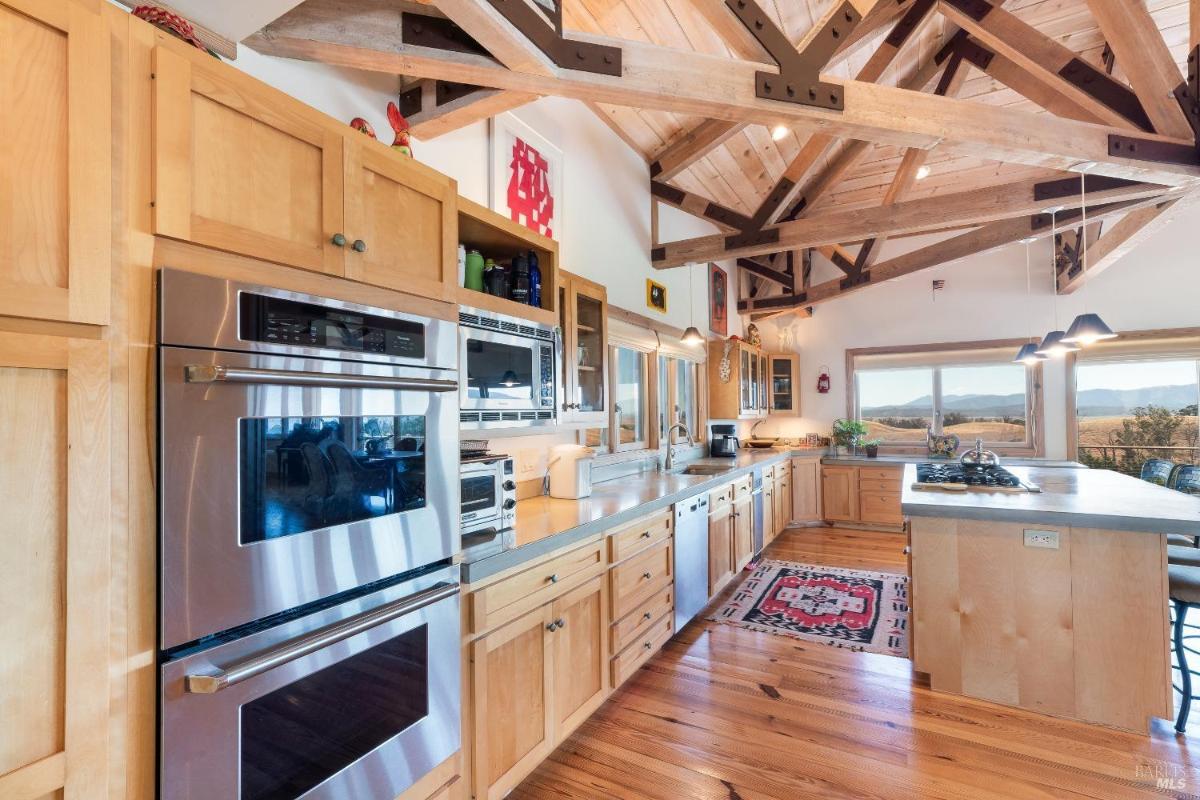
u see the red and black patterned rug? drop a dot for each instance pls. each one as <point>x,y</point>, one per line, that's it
<point>839,607</point>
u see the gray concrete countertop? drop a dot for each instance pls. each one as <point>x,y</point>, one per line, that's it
<point>546,524</point>
<point>1087,498</point>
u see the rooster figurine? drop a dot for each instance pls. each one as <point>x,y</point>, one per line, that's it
<point>400,126</point>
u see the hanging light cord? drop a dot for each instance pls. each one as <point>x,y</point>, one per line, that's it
<point>1054,264</point>
<point>1028,290</point>
<point>1083,276</point>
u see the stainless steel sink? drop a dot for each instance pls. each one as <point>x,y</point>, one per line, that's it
<point>704,469</point>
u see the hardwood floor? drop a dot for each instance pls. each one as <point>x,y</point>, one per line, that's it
<point>724,713</point>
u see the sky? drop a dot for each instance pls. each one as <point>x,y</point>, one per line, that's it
<point>899,386</point>
<point>1135,375</point>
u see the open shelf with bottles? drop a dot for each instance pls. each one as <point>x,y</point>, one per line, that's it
<point>500,239</point>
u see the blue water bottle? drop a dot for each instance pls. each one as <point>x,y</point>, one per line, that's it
<point>535,281</point>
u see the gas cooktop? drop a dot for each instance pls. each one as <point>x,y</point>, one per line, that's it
<point>969,477</point>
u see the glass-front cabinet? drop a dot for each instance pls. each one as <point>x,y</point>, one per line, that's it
<point>784,384</point>
<point>583,314</point>
<point>738,384</point>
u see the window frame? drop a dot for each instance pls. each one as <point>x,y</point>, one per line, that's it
<point>1176,343</point>
<point>1034,444</point>
<point>614,443</point>
<point>667,407</point>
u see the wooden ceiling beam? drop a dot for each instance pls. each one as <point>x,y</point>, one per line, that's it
<point>783,279</point>
<point>1053,63</point>
<point>722,216</point>
<point>787,186</point>
<point>912,216</point>
<point>1135,40</point>
<point>839,256</point>
<point>693,145</point>
<point>1126,234</point>
<point>438,112</point>
<point>366,36</point>
<point>975,242</point>
<point>484,23</point>
<point>1023,82</point>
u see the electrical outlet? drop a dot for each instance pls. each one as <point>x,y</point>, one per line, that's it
<point>1043,539</point>
<point>531,463</point>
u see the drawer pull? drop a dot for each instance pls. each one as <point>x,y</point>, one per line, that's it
<point>645,576</point>
<point>553,578</point>
<point>645,534</point>
<point>647,615</point>
<point>359,246</point>
<point>338,240</point>
<point>647,645</point>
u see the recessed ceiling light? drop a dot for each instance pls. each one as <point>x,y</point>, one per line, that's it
<point>779,131</point>
<point>1083,166</point>
<point>922,173</point>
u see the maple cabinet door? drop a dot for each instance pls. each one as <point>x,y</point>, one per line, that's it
<point>513,730</point>
<point>580,639</point>
<point>401,222</point>
<point>720,549</point>
<point>55,471</point>
<point>55,161</point>
<point>241,167</point>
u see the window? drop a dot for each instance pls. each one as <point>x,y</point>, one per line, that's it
<point>1132,405</point>
<point>973,392</point>
<point>677,399</point>
<point>630,405</point>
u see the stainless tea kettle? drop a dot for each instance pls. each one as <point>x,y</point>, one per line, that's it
<point>979,456</point>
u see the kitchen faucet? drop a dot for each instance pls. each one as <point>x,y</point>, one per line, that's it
<point>670,447</point>
<point>754,427</point>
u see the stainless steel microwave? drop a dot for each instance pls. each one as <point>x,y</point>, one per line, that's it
<point>509,370</point>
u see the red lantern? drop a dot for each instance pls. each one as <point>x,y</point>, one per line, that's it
<point>823,381</point>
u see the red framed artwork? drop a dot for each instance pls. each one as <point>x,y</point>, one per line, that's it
<point>718,300</point>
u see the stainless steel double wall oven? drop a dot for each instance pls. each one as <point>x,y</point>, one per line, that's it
<point>309,505</point>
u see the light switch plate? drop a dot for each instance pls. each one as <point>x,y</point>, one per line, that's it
<point>1039,538</point>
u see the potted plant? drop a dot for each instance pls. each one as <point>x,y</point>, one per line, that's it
<point>847,433</point>
<point>872,446</point>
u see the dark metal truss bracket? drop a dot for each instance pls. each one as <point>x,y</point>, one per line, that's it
<point>412,100</point>
<point>437,33</point>
<point>799,77</point>
<point>547,36</point>
<point>1188,93</point>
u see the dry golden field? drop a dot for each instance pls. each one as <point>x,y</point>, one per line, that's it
<point>1096,430</point>
<point>968,432</point>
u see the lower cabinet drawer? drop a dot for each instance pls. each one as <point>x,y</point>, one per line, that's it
<point>880,507</point>
<point>636,580</point>
<point>634,626</point>
<point>639,535</point>
<point>880,474</point>
<point>511,597</point>
<point>628,660</point>
<point>865,485</point>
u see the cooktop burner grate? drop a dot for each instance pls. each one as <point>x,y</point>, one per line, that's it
<point>983,476</point>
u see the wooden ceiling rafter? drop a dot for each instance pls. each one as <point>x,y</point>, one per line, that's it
<point>434,108</point>
<point>1116,242</point>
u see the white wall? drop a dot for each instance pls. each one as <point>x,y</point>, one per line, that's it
<point>1155,286</point>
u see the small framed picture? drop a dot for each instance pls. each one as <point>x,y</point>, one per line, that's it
<point>656,296</point>
<point>718,298</point>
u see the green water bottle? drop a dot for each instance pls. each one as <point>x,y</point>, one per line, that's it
<point>474,279</point>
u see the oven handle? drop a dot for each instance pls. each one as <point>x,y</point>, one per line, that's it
<point>318,640</point>
<point>209,373</point>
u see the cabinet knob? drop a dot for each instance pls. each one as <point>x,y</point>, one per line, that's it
<point>645,534</point>
<point>554,578</point>
<point>646,615</point>
<point>359,246</point>
<point>338,240</point>
<point>560,622</point>
<point>907,551</point>
<point>553,626</point>
<point>646,645</point>
<point>645,576</point>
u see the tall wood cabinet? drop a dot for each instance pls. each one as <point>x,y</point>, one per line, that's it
<point>806,489</point>
<point>583,306</point>
<point>55,163</point>
<point>55,489</point>
<point>239,166</point>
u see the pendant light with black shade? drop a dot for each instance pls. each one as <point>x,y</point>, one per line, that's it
<point>1028,354</point>
<point>1052,345</point>
<point>691,336</point>
<point>1087,328</point>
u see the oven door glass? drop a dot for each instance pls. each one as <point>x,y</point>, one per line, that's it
<point>301,734</point>
<point>478,494</point>
<point>499,370</point>
<point>303,473</point>
<point>277,494</point>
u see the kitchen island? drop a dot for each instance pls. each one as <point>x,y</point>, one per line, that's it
<point>1054,601</point>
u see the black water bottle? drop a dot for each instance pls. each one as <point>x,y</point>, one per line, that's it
<point>520,279</point>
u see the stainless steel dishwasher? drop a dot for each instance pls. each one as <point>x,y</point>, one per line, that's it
<point>757,502</point>
<point>691,558</point>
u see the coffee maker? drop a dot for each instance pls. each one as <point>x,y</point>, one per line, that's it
<point>724,441</point>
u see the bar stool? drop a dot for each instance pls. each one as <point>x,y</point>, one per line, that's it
<point>1157,471</point>
<point>1184,581</point>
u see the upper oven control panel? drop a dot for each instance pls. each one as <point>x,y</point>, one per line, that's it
<point>277,320</point>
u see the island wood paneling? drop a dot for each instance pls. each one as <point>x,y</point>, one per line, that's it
<point>1079,631</point>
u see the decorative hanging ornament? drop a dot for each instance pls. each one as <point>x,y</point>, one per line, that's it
<point>725,369</point>
<point>823,380</point>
